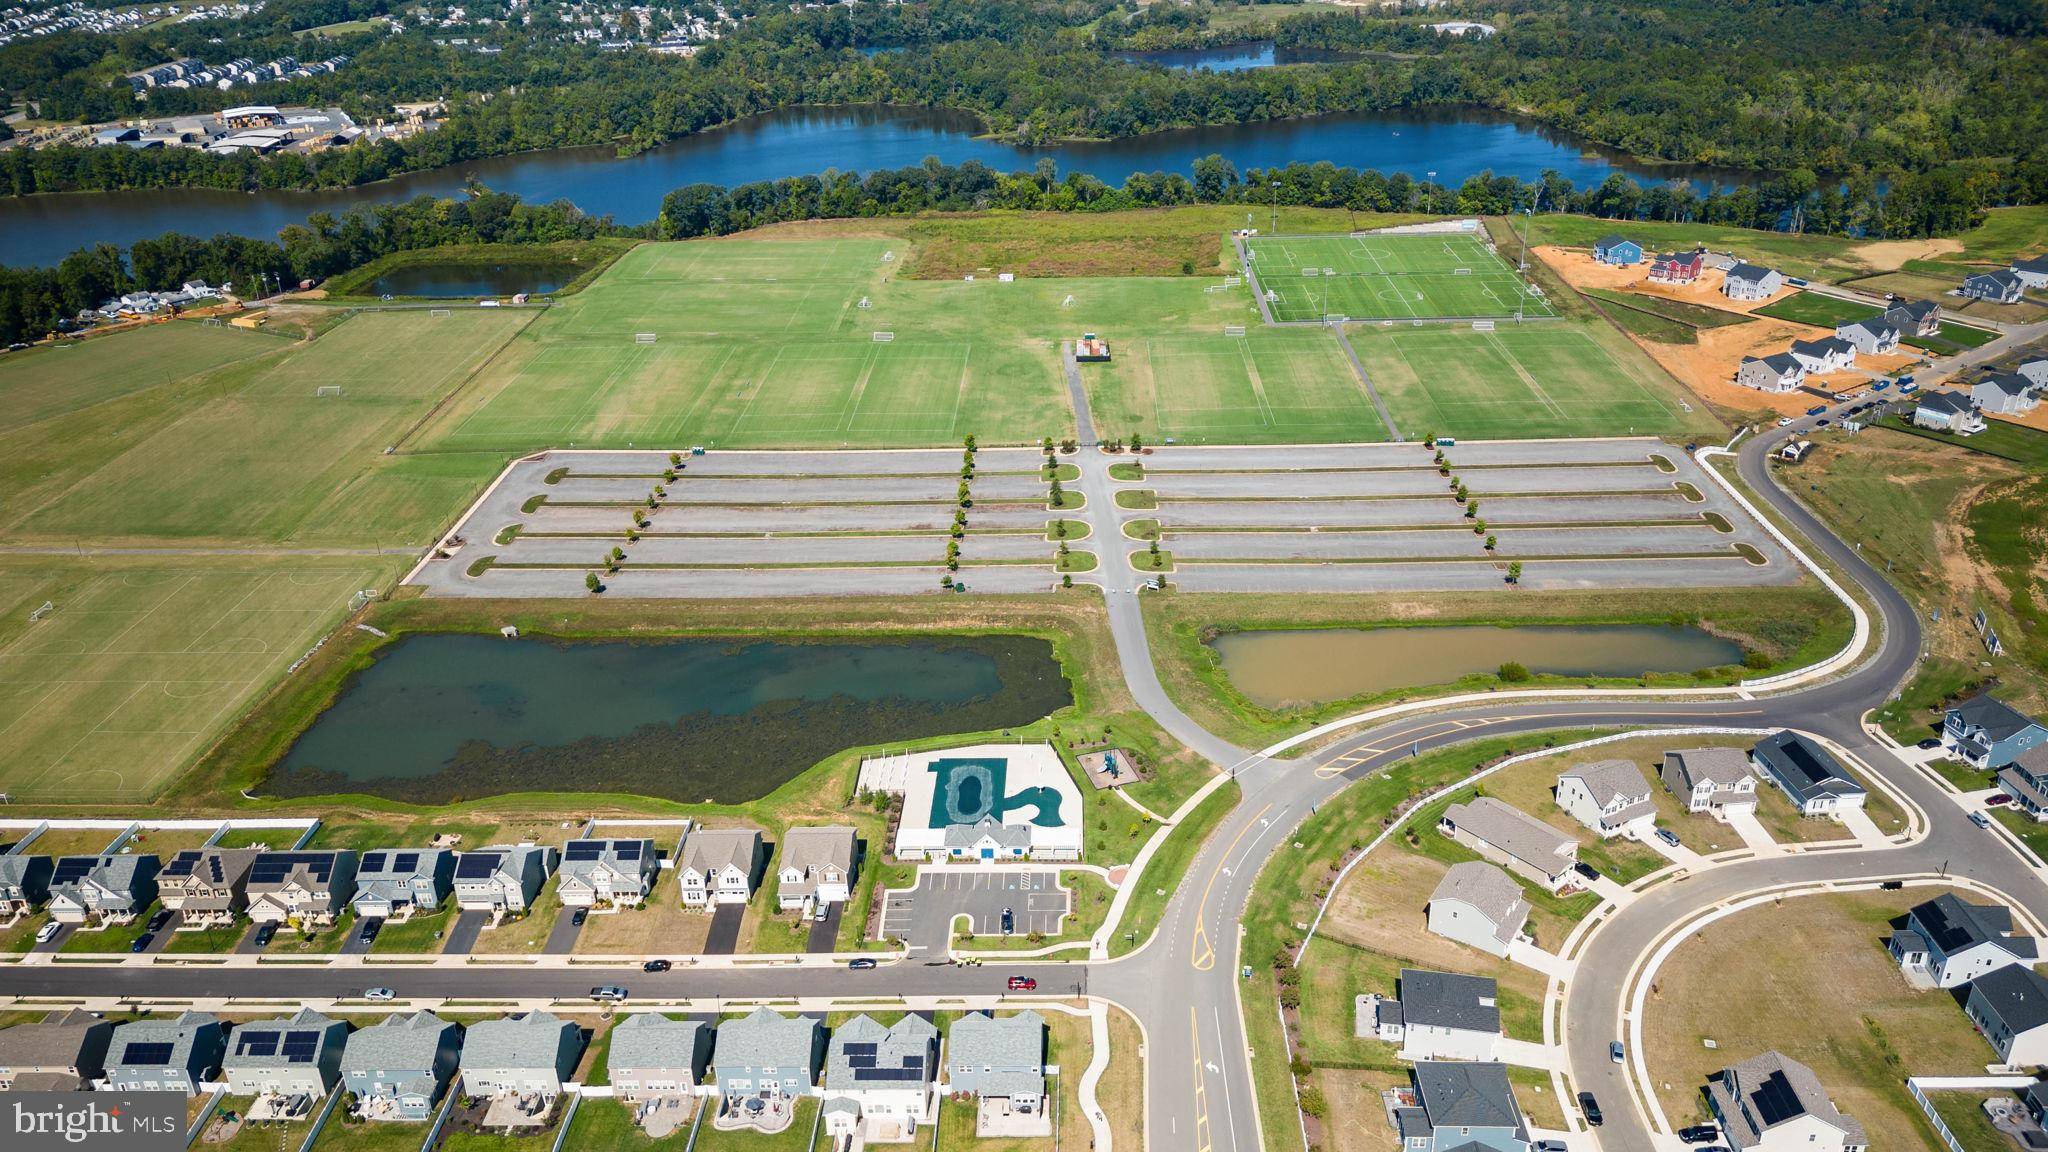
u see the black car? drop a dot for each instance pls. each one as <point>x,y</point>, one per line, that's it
<point>263,934</point>
<point>1929,744</point>
<point>369,930</point>
<point>1586,870</point>
<point>142,942</point>
<point>656,966</point>
<point>1591,1108</point>
<point>1009,922</point>
<point>861,963</point>
<point>1698,1133</point>
<point>581,915</point>
<point>157,922</point>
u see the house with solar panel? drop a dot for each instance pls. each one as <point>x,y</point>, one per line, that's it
<point>1809,774</point>
<point>309,888</point>
<point>879,1080</point>
<point>392,884</point>
<point>503,879</point>
<point>615,873</point>
<point>166,1055</point>
<point>207,886</point>
<point>1459,1107</point>
<point>397,1069</point>
<point>718,865</point>
<point>102,890</point>
<point>62,1052</point>
<point>24,883</point>
<point>766,1056</point>
<point>521,1062</point>
<point>1948,942</point>
<point>1773,1103</point>
<point>285,1063</point>
<point>1000,1061</point>
<point>655,1058</point>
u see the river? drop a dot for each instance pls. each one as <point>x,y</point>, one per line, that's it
<point>1454,144</point>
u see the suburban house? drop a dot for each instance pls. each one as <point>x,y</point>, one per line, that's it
<point>1877,336</point>
<point>398,1068</point>
<point>718,865</point>
<point>526,1056</point>
<point>1716,781</point>
<point>1751,282</point>
<point>1460,1107</point>
<point>2001,287</point>
<point>1614,249</point>
<point>1677,267</point>
<point>2009,1006</point>
<point>2035,371</point>
<point>999,1060</point>
<point>1778,372</point>
<point>1951,942</point>
<point>656,1057</point>
<point>1478,905</point>
<point>1827,354</point>
<point>24,883</point>
<point>297,1056</point>
<point>1947,411</point>
<point>1609,796</point>
<point>619,873</point>
<point>176,1055</point>
<point>2032,271</point>
<point>2026,781</point>
<point>102,889</point>
<point>816,868</point>
<point>503,878</point>
<point>1914,317</point>
<point>307,887</point>
<point>1986,732</point>
<point>2006,394</point>
<point>879,1080</point>
<point>1773,1103</point>
<point>1513,839</point>
<point>207,886</point>
<point>1439,1016</point>
<point>1815,781</point>
<point>394,884</point>
<point>62,1052</point>
<point>767,1056</point>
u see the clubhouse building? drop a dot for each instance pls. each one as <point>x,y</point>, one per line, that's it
<point>990,803</point>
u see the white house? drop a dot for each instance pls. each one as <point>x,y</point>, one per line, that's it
<point>2009,1007</point>
<point>1827,354</point>
<point>2006,394</point>
<point>1751,282</point>
<point>718,866</point>
<point>1810,776</point>
<point>1716,781</point>
<point>1513,839</point>
<point>1439,1016</point>
<point>2032,271</point>
<point>1876,336</point>
<point>618,873</point>
<point>1478,905</point>
<point>2036,371</point>
<point>1947,411</point>
<point>879,1081</point>
<point>1778,372</point>
<point>816,867</point>
<point>1773,1103</point>
<point>1949,942</point>
<point>1609,796</point>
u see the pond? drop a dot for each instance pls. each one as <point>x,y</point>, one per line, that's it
<point>442,717</point>
<point>1235,57</point>
<point>1285,669</point>
<point>460,280</point>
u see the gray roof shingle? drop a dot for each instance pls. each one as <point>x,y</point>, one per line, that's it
<point>1449,1000</point>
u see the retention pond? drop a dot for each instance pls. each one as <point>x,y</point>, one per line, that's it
<point>445,717</point>
<point>1282,669</point>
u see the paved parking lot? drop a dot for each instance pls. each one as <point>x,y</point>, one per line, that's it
<point>923,916</point>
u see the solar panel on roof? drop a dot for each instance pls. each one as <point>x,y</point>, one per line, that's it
<point>216,869</point>
<point>476,865</point>
<point>627,849</point>
<point>147,1052</point>
<point>183,863</point>
<point>256,1044</point>
<point>1775,1099</point>
<point>860,1048</point>
<point>300,1046</point>
<point>406,862</point>
<point>73,868</point>
<point>373,861</point>
<point>582,850</point>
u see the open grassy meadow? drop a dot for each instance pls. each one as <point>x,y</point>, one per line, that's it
<point>1379,277</point>
<point>59,379</point>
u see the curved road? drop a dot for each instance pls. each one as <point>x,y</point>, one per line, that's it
<point>1182,985</point>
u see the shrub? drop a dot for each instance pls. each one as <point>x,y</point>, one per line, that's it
<point>1754,659</point>
<point>1512,673</point>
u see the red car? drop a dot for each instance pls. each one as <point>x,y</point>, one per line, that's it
<point>1022,984</point>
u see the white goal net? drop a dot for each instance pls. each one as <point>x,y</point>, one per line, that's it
<point>327,390</point>
<point>439,313</point>
<point>643,337</point>
<point>884,337</point>
<point>39,613</point>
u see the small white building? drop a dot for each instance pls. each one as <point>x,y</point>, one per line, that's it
<point>1751,282</point>
<point>990,803</point>
<point>1480,906</point>
<point>1610,797</point>
<point>1827,354</point>
<point>1716,781</point>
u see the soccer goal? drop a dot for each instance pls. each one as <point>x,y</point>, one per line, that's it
<point>361,597</point>
<point>884,337</point>
<point>1482,325</point>
<point>41,612</point>
<point>1233,329</point>
<point>441,313</point>
<point>864,303</point>
<point>1067,303</point>
<point>643,337</point>
<point>327,390</point>
<point>1461,271</point>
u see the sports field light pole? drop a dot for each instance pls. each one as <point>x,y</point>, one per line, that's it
<point>1274,225</point>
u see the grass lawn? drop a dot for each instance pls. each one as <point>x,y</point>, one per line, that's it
<point>538,1140</point>
<point>1156,242</point>
<point>526,934</point>
<point>1398,277</point>
<point>207,941</point>
<point>1121,1091</point>
<point>57,379</point>
<point>1552,379</point>
<point>795,1138</point>
<point>2032,833</point>
<point>660,925</point>
<point>1963,1112</point>
<point>269,1137</point>
<point>115,939</point>
<point>382,1136</point>
<point>1661,319</point>
<point>290,941</point>
<point>1800,962</point>
<point>1167,869</point>
<point>1820,311</point>
<point>608,1125</point>
<point>1270,385</point>
<point>420,935</point>
<point>22,936</point>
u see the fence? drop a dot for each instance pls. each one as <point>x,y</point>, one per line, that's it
<point>1940,1126</point>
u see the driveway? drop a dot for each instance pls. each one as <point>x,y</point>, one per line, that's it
<point>825,933</point>
<point>247,945</point>
<point>1529,1054</point>
<point>1752,831</point>
<point>64,932</point>
<point>562,937</point>
<point>724,937</point>
<point>1548,963</point>
<point>162,939</point>
<point>1861,826</point>
<point>924,916</point>
<point>355,945</point>
<point>1611,892</point>
<point>463,933</point>
<point>1680,854</point>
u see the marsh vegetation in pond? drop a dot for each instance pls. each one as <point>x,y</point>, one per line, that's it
<point>1282,669</point>
<point>1235,57</point>
<point>463,280</point>
<point>445,717</point>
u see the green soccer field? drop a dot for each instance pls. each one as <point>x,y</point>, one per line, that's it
<point>1551,379</point>
<point>1269,386</point>
<point>1383,277</point>
<point>138,666</point>
<point>57,379</point>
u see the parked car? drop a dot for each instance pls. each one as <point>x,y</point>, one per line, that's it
<point>1698,1133</point>
<point>608,993</point>
<point>379,994</point>
<point>1549,1146</point>
<point>157,922</point>
<point>1929,744</point>
<point>1591,1108</point>
<point>1892,885</point>
<point>1784,421</point>
<point>1997,798</point>
<point>1668,836</point>
<point>579,917</point>
<point>264,934</point>
<point>1009,921</point>
<point>1615,1052</point>
<point>1586,870</point>
<point>142,942</point>
<point>1980,820</point>
<point>369,930</point>
<point>1023,984</point>
<point>861,963</point>
<point>1817,410</point>
<point>1823,423</point>
<point>656,966</point>
<point>48,932</point>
